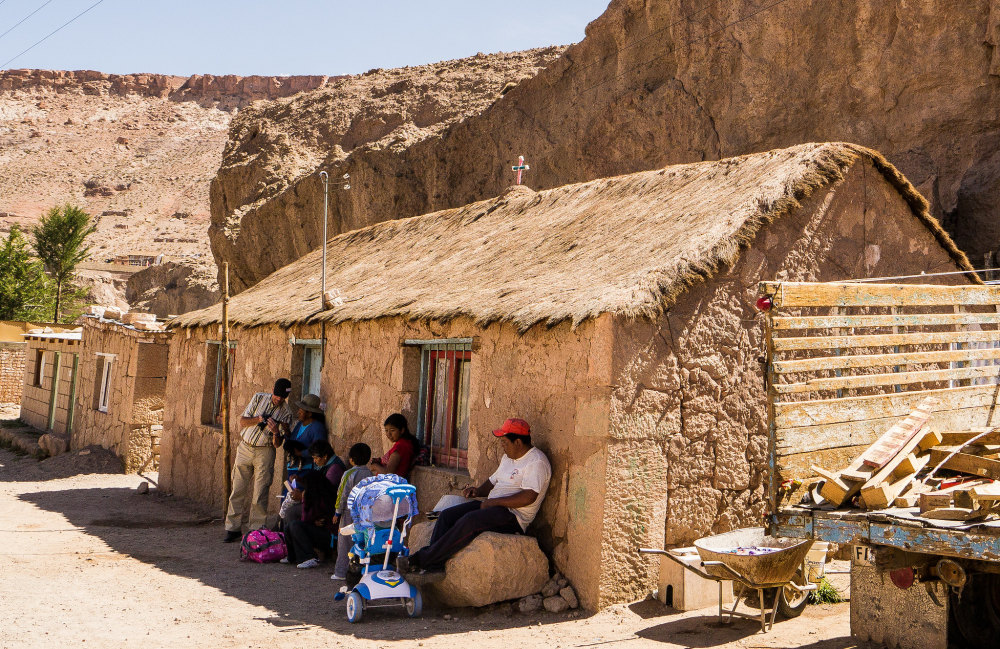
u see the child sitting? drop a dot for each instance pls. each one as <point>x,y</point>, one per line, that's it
<point>359,455</point>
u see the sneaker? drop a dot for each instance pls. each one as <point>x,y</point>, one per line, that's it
<point>283,560</point>
<point>308,563</point>
<point>338,578</point>
<point>232,537</point>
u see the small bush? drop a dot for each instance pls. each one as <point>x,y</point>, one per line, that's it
<point>825,593</point>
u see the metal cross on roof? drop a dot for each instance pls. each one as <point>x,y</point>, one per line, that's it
<point>520,168</point>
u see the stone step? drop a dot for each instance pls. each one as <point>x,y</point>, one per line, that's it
<point>22,439</point>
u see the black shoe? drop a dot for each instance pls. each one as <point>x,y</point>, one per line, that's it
<point>402,564</point>
<point>232,537</point>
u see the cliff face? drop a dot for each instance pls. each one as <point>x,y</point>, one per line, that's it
<point>267,199</point>
<point>657,82</point>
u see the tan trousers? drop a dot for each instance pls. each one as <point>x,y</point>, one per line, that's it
<point>253,472</point>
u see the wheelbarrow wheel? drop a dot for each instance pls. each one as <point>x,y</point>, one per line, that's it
<point>792,601</point>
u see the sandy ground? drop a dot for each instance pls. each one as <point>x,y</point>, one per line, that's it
<point>87,562</point>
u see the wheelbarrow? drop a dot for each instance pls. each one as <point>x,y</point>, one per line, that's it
<point>772,564</point>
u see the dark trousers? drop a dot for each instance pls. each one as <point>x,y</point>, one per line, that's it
<point>457,526</point>
<point>302,538</point>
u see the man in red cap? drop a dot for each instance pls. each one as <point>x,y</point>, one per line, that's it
<point>514,494</point>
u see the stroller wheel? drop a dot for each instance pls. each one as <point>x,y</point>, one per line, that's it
<point>355,607</point>
<point>414,605</point>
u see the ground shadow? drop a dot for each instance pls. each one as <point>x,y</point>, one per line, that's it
<point>708,631</point>
<point>177,537</point>
<point>16,467</point>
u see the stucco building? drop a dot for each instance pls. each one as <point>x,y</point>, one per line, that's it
<point>119,399</point>
<point>616,316</point>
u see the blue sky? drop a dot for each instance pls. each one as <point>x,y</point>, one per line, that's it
<point>185,37</point>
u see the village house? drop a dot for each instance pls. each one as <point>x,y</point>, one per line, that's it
<point>13,352</point>
<point>123,375</point>
<point>50,380</point>
<point>616,316</point>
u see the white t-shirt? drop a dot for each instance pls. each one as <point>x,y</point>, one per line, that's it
<point>530,471</point>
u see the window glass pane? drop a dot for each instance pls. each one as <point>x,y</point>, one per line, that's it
<point>462,406</point>
<point>312,370</point>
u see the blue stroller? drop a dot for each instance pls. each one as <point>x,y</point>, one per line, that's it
<point>382,508</point>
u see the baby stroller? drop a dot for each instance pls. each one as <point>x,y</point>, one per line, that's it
<point>382,507</point>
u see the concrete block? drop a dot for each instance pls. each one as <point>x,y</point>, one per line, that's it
<point>683,590</point>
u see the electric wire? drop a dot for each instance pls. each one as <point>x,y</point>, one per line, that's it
<point>44,4</point>
<point>49,35</point>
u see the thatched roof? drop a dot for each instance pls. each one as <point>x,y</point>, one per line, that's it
<point>627,245</point>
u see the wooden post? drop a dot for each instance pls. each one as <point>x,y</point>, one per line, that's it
<point>224,395</point>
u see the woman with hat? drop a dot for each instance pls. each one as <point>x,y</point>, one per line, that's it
<point>310,427</point>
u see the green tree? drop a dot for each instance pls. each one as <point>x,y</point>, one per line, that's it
<point>24,289</point>
<point>59,239</point>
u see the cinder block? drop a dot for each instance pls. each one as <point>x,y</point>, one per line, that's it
<point>684,590</point>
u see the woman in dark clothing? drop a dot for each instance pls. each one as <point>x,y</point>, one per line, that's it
<point>403,454</point>
<point>316,527</point>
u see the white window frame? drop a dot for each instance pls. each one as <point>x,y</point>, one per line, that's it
<point>40,376</point>
<point>105,395</point>
<point>307,376</point>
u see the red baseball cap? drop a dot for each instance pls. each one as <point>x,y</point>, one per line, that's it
<point>513,427</point>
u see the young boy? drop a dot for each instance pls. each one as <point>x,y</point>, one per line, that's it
<point>359,455</point>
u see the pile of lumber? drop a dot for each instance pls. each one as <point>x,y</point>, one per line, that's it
<point>947,475</point>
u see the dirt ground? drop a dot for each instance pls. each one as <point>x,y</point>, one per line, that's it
<point>85,561</point>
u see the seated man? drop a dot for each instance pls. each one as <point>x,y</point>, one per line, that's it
<point>514,494</point>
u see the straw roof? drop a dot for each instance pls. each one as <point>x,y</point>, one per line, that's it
<point>628,245</point>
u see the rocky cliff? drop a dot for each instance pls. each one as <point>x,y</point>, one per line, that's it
<point>655,82</point>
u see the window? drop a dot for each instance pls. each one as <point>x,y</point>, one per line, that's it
<point>39,368</point>
<point>211,397</point>
<point>102,381</point>
<point>312,361</point>
<point>443,399</point>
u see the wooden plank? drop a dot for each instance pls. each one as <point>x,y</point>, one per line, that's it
<point>964,463</point>
<point>957,437</point>
<point>883,360</point>
<point>785,323</point>
<point>885,485</point>
<point>878,496</point>
<point>851,409</point>
<point>894,439</point>
<point>827,294</point>
<point>985,492</point>
<point>897,378</point>
<point>793,343</point>
<point>805,439</point>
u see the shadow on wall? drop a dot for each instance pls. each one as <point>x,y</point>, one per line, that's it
<point>179,538</point>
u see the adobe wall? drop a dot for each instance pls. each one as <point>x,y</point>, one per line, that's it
<point>35,400</point>
<point>688,418</point>
<point>549,377</point>
<point>138,384</point>
<point>12,357</point>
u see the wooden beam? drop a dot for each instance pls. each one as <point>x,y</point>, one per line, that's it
<point>884,340</point>
<point>879,495</point>
<point>896,438</point>
<point>977,399</point>
<point>958,437</point>
<point>784,323</point>
<point>820,294</point>
<point>964,463</point>
<point>899,378</point>
<point>883,360</point>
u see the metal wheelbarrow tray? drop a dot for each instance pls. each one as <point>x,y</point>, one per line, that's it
<point>757,572</point>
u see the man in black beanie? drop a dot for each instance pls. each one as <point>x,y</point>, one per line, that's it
<point>253,470</point>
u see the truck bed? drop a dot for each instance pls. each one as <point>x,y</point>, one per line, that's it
<point>894,527</point>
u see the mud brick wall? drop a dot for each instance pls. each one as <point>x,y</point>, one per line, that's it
<point>12,357</point>
<point>138,383</point>
<point>38,393</point>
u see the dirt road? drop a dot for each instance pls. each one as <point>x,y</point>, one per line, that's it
<point>87,562</point>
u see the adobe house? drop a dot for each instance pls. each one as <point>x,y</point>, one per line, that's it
<point>50,380</point>
<point>13,350</point>
<point>119,398</point>
<point>616,316</point>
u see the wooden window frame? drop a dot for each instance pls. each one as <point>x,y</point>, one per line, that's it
<point>446,452</point>
<point>217,392</point>
<point>104,391</point>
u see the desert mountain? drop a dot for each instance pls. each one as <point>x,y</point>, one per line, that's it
<point>654,82</point>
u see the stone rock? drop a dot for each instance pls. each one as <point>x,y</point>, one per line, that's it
<point>133,317</point>
<point>562,582</point>
<point>122,140</point>
<point>569,595</point>
<point>94,309</point>
<point>142,489</point>
<point>529,604</point>
<point>112,313</point>
<point>53,444</point>
<point>493,568</point>
<point>555,604</point>
<point>550,588</point>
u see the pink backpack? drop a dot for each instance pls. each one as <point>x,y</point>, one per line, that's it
<point>263,546</point>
